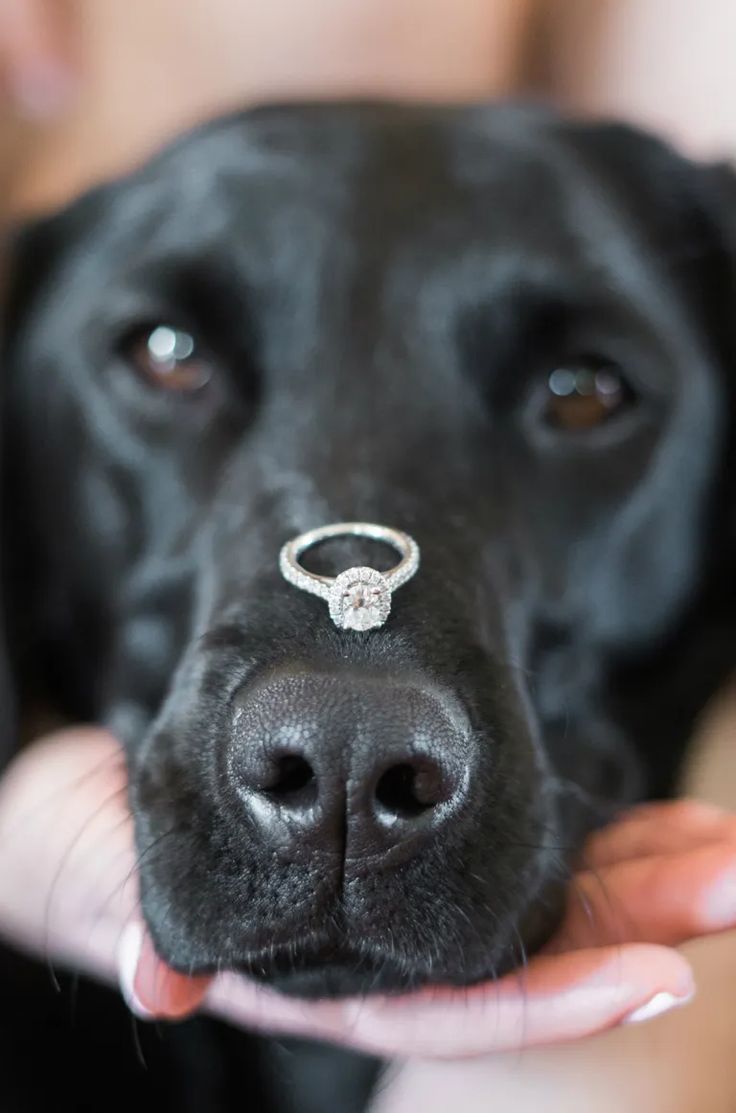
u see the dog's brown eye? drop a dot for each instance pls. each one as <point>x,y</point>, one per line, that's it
<point>581,396</point>
<point>168,358</point>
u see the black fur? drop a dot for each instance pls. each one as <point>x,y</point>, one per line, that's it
<point>382,290</point>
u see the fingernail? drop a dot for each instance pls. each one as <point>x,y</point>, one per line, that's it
<point>41,91</point>
<point>129,953</point>
<point>657,1005</point>
<point>720,906</point>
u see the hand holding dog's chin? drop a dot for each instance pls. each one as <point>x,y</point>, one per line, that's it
<point>665,874</point>
<point>66,851</point>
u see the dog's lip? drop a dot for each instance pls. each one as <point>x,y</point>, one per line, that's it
<point>320,973</point>
<point>187,991</point>
<point>332,983</point>
<point>327,972</point>
<point>333,974</point>
<point>591,989</point>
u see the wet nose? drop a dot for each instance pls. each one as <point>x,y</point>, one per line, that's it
<point>357,766</point>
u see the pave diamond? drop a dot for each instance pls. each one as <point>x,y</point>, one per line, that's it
<point>360,599</point>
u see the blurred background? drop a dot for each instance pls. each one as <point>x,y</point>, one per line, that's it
<point>90,86</point>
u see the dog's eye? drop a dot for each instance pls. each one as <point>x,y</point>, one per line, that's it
<point>168,358</point>
<point>582,395</point>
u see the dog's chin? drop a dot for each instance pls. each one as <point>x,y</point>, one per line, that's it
<point>316,978</point>
<point>336,971</point>
<point>322,980</point>
<point>330,966</point>
<point>320,976</point>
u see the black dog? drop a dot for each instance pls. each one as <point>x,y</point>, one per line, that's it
<point>509,335</point>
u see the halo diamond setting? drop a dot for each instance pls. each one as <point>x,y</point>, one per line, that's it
<point>359,598</point>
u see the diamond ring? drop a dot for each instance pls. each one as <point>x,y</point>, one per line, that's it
<point>359,598</point>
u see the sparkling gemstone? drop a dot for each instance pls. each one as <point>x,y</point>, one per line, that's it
<point>360,599</point>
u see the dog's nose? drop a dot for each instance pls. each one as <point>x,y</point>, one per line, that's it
<point>361,767</point>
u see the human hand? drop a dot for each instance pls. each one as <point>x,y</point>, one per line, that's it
<point>663,874</point>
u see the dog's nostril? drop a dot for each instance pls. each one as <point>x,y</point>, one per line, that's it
<point>405,791</point>
<point>293,778</point>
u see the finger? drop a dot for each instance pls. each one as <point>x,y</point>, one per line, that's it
<point>35,46</point>
<point>667,828</point>
<point>151,988</point>
<point>664,899</point>
<point>556,999</point>
<point>66,844</point>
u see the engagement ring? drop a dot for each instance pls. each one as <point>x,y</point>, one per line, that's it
<point>359,598</point>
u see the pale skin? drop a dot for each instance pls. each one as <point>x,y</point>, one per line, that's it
<point>661,875</point>
<point>91,87</point>
<point>678,1063</point>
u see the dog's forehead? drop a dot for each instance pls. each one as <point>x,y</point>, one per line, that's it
<point>360,223</point>
<point>371,170</point>
<point>394,142</point>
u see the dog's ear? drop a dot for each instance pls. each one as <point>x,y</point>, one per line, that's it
<point>9,733</point>
<point>31,259</point>
<point>719,190</point>
<point>8,702</point>
<point>32,252</point>
<point>685,213</point>
<point>718,184</point>
<point>26,256</point>
<point>35,249</point>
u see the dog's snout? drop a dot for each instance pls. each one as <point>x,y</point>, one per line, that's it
<point>347,766</point>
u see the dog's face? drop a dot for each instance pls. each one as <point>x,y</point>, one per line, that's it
<point>486,328</point>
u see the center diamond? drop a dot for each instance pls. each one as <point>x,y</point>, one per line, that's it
<point>360,599</point>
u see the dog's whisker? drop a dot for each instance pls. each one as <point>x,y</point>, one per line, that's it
<point>129,876</point>
<point>64,862</point>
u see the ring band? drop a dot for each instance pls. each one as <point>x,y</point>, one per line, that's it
<point>359,598</point>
